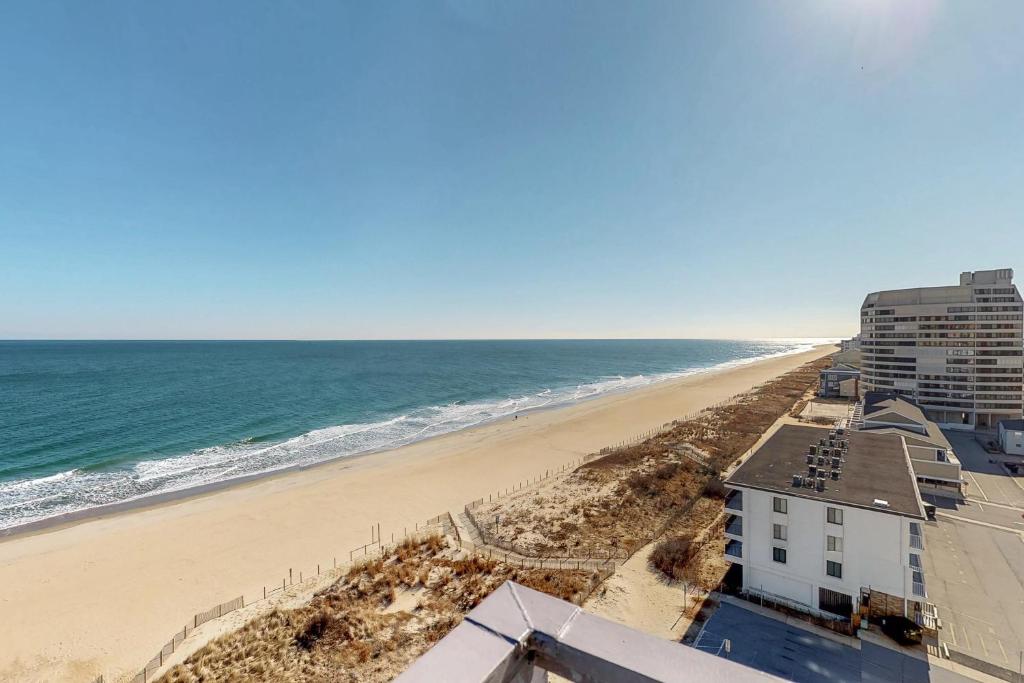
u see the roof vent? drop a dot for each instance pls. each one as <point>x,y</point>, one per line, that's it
<point>879,503</point>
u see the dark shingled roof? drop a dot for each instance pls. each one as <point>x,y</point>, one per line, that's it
<point>876,466</point>
<point>877,404</point>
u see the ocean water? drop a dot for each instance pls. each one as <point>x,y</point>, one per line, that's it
<point>84,424</point>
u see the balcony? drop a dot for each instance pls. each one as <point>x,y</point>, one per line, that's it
<point>734,501</point>
<point>734,549</point>
<point>517,635</point>
<point>734,525</point>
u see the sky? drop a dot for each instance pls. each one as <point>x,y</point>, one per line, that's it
<point>330,170</point>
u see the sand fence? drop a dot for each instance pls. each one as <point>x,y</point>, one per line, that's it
<point>440,524</point>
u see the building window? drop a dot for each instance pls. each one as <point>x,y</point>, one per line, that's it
<point>915,528</point>
<point>834,543</point>
<point>915,560</point>
<point>779,532</point>
<point>780,505</point>
<point>834,569</point>
<point>835,516</point>
<point>779,555</point>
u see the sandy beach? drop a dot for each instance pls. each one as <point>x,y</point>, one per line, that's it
<point>102,595</point>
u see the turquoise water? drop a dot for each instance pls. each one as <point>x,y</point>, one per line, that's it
<point>84,424</point>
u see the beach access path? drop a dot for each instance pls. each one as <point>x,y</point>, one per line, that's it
<point>102,595</point>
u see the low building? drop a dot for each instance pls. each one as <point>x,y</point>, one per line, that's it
<point>826,520</point>
<point>839,381</point>
<point>850,344</point>
<point>932,458</point>
<point>1011,437</point>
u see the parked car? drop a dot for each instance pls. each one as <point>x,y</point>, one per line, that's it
<point>902,630</point>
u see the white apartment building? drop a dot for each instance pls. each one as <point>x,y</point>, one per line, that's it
<point>957,351</point>
<point>825,518</point>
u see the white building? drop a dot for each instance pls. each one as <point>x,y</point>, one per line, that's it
<point>957,351</point>
<point>825,518</point>
<point>1011,437</point>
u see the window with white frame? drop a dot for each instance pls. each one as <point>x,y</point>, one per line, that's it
<point>834,544</point>
<point>835,516</point>
<point>780,505</point>
<point>779,555</point>
<point>834,569</point>
<point>779,532</point>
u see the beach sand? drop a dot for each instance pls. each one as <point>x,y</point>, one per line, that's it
<point>102,595</point>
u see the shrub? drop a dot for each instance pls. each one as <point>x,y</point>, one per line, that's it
<point>671,555</point>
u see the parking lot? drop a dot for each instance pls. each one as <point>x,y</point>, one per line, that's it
<point>986,481</point>
<point>796,654</point>
<point>975,576</point>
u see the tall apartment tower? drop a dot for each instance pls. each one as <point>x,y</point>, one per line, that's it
<point>957,351</point>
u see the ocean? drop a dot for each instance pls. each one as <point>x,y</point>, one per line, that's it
<point>85,424</point>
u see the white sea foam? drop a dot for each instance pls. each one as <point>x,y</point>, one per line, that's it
<point>28,500</point>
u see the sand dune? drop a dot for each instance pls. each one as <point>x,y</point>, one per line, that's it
<point>103,595</point>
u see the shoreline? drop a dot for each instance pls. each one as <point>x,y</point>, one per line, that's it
<point>125,581</point>
<point>67,519</point>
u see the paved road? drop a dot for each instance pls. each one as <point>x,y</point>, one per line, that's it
<point>798,655</point>
<point>986,481</point>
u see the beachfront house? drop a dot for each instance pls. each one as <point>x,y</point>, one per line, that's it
<point>826,521</point>
<point>839,381</point>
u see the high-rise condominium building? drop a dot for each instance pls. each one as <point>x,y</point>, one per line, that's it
<point>957,351</point>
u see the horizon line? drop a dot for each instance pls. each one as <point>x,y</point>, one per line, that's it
<point>398,339</point>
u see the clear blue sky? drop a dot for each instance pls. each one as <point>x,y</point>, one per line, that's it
<point>529,169</point>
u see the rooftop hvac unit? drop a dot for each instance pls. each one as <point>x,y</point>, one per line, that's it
<point>812,449</point>
<point>836,462</point>
<point>840,431</point>
<point>798,480</point>
<point>821,461</point>
<point>821,485</point>
<point>835,475</point>
<point>811,471</point>
<point>810,459</point>
<point>823,442</point>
